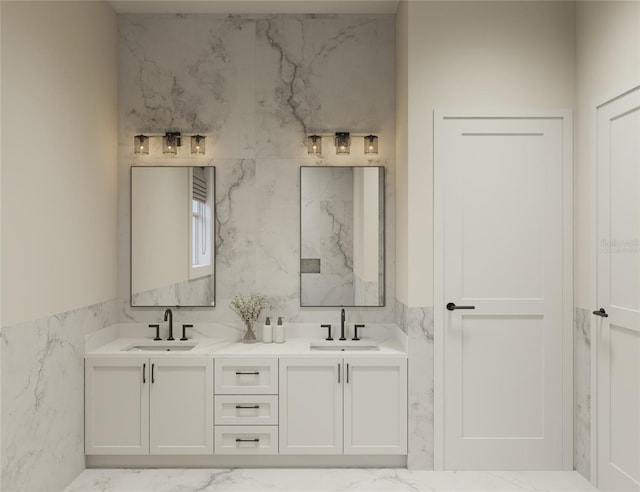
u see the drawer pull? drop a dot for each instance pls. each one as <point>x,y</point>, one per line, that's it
<point>247,440</point>
<point>254,407</point>
<point>254,373</point>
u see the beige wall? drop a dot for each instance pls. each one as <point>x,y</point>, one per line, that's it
<point>608,63</point>
<point>402,146</point>
<point>59,163</point>
<point>469,55</point>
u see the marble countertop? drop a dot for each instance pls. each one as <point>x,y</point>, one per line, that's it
<point>389,340</point>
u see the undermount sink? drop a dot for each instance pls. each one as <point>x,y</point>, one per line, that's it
<point>352,347</point>
<point>160,348</point>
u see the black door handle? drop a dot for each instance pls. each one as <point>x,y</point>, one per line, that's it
<point>601,312</point>
<point>452,307</point>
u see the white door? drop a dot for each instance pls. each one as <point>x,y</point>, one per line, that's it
<point>116,405</point>
<point>311,406</point>
<point>375,406</point>
<point>181,406</point>
<point>503,291</point>
<point>618,294</point>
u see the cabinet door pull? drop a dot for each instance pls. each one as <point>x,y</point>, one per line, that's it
<point>338,373</point>
<point>252,373</point>
<point>247,440</point>
<point>347,373</point>
<point>254,407</point>
<point>152,373</point>
<point>144,372</point>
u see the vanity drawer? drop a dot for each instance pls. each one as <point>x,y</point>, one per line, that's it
<point>256,439</point>
<point>246,376</point>
<point>246,410</point>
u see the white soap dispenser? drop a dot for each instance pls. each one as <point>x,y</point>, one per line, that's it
<point>278,332</point>
<point>267,332</point>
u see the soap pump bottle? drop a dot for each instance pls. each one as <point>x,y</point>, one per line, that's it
<point>267,331</point>
<point>278,332</point>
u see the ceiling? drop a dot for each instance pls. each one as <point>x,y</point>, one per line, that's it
<point>255,6</point>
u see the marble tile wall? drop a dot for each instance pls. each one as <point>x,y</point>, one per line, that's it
<point>582,391</point>
<point>256,85</point>
<point>417,323</point>
<point>43,397</point>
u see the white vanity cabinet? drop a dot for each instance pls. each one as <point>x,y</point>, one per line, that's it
<point>343,406</point>
<point>157,405</point>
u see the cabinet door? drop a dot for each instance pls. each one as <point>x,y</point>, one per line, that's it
<point>311,406</point>
<point>116,405</point>
<point>375,406</point>
<point>181,406</point>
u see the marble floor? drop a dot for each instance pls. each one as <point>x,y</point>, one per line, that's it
<point>322,480</point>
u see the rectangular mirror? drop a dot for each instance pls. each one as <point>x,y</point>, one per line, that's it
<point>173,236</point>
<point>342,236</point>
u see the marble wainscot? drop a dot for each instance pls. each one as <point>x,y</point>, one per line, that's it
<point>582,391</point>
<point>43,397</point>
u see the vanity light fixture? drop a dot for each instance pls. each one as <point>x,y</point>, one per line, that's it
<point>170,143</point>
<point>197,144</point>
<point>140,144</point>
<point>370,144</point>
<point>343,143</point>
<point>314,144</point>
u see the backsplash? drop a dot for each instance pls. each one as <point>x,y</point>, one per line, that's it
<point>255,86</point>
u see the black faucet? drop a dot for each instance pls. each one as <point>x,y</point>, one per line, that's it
<point>343,316</point>
<point>168,315</point>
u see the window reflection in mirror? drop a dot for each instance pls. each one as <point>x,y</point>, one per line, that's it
<point>342,236</point>
<point>172,236</point>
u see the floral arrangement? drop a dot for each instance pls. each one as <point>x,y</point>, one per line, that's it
<point>249,307</point>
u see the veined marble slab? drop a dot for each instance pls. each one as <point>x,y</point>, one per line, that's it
<point>323,480</point>
<point>43,398</point>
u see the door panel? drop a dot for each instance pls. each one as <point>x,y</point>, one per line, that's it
<point>375,406</point>
<point>181,406</point>
<point>311,406</point>
<point>502,213</point>
<point>618,293</point>
<point>117,405</point>
<point>491,385</point>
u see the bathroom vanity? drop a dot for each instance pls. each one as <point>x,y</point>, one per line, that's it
<point>224,402</point>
